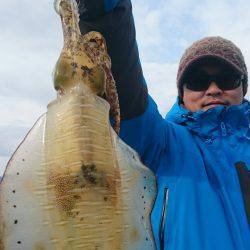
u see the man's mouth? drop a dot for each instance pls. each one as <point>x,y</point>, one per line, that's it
<point>215,103</point>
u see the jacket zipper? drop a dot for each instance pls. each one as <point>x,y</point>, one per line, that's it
<point>163,219</point>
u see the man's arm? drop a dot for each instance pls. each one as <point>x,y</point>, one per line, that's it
<point>142,126</point>
<point>114,20</point>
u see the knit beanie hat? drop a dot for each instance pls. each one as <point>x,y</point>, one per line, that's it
<point>212,47</point>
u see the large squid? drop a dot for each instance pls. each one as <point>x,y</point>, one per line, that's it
<point>72,183</point>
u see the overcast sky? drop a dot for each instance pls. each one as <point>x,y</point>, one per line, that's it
<point>31,41</point>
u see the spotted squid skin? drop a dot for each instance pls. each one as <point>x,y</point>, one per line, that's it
<point>72,183</point>
<point>103,61</point>
<point>85,59</point>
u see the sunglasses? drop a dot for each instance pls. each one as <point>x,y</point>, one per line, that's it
<point>200,81</point>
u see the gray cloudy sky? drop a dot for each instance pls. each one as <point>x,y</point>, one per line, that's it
<point>31,40</point>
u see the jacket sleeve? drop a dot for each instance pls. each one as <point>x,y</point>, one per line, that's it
<point>147,134</point>
<point>114,20</point>
<point>142,126</point>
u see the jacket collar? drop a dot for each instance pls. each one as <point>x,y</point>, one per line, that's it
<point>215,121</point>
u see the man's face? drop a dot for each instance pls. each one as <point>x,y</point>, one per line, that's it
<point>213,96</point>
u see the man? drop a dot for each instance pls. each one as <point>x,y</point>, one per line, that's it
<point>200,152</point>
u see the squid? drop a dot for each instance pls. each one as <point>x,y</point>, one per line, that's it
<point>73,183</point>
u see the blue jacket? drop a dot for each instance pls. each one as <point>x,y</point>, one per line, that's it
<point>195,157</point>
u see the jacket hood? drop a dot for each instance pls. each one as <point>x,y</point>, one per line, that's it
<point>214,122</point>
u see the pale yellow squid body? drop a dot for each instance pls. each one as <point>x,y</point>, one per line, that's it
<point>72,183</point>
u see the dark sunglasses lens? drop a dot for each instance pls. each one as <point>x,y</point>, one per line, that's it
<point>227,82</point>
<point>197,82</point>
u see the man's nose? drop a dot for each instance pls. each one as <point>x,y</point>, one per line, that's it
<point>213,90</point>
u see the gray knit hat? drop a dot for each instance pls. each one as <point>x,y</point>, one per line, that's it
<point>212,47</point>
